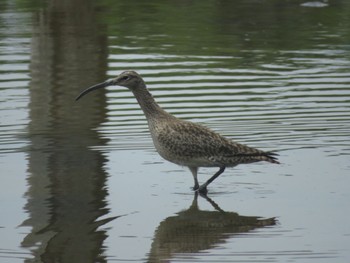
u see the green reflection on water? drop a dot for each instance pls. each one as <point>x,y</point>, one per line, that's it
<point>238,42</point>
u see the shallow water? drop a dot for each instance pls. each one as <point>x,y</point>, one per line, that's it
<point>81,182</point>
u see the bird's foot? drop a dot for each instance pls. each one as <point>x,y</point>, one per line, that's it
<point>202,190</point>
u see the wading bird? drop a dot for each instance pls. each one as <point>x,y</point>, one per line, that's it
<point>183,142</point>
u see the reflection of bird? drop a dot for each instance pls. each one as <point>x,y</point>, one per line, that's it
<point>182,142</point>
<point>194,230</point>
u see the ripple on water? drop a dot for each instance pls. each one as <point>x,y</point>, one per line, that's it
<point>14,80</point>
<point>295,103</point>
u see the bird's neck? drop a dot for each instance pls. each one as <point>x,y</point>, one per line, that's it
<point>147,103</point>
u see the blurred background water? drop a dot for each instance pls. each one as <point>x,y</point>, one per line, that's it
<point>81,182</point>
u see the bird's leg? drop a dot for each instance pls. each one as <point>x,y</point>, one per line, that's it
<point>194,171</point>
<point>203,188</point>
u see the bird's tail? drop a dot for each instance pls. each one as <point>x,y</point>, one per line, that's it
<point>259,156</point>
<point>271,157</point>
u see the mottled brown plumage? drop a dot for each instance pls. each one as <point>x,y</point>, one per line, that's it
<point>183,142</point>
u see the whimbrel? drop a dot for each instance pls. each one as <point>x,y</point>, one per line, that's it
<point>183,142</point>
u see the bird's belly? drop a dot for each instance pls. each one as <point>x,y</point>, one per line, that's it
<point>184,160</point>
<point>181,157</point>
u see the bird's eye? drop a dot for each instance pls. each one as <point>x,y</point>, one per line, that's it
<point>125,78</point>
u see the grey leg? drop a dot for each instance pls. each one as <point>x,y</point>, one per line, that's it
<point>194,171</point>
<point>203,188</point>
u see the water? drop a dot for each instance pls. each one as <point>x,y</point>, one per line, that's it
<point>81,182</point>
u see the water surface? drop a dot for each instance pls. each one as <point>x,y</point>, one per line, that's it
<point>82,180</point>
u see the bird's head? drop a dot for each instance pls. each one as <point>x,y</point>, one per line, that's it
<point>129,79</point>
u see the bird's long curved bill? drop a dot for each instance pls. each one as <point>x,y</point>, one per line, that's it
<point>94,87</point>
